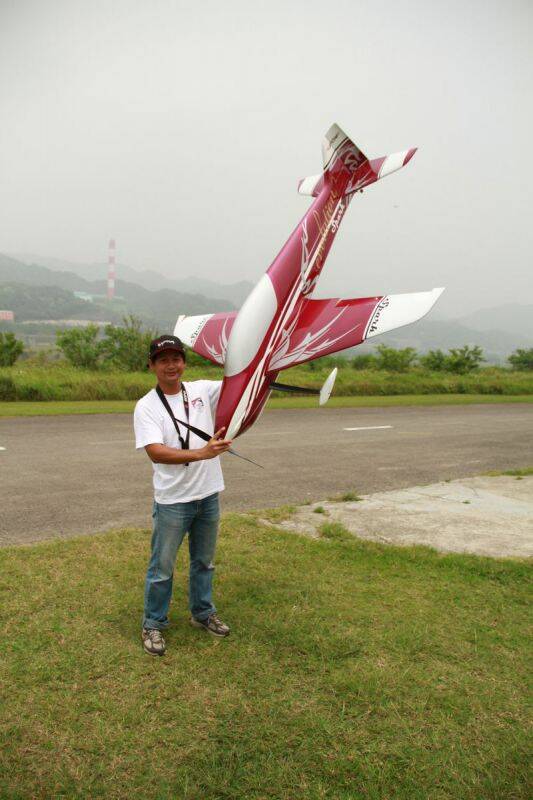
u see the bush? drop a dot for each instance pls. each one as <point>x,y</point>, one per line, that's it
<point>195,360</point>
<point>80,346</point>
<point>364,361</point>
<point>8,389</point>
<point>459,360</point>
<point>464,359</point>
<point>10,349</point>
<point>393,360</point>
<point>434,360</point>
<point>522,359</point>
<point>326,362</point>
<point>126,348</point>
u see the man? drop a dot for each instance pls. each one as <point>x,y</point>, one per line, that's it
<point>187,479</point>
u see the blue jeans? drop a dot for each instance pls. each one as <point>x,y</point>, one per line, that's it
<point>199,519</point>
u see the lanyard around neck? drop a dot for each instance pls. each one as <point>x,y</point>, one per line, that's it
<point>184,442</point>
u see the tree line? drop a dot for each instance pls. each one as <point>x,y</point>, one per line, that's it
<point>120,348</point>
<point>457,360</point>
<point>124,348</point>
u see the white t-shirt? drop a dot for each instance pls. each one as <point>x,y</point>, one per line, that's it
<point>177,483</point>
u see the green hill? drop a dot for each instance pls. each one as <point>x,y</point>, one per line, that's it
<point>148,278</point>
<point>36,293</point>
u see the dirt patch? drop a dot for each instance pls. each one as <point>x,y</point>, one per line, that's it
<point>484,515</point>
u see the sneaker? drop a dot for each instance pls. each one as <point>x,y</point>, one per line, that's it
<point>212,625</point>
<point>153,642</point>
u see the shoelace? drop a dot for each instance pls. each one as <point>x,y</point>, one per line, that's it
<point>155,635</point>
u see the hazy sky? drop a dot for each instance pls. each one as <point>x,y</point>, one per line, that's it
<point>181,129</point>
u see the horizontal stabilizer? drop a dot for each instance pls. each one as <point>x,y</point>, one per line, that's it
<point>311,186</point>
<point>394,162</point>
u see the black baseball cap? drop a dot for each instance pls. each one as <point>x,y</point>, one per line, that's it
<point>166,342</point>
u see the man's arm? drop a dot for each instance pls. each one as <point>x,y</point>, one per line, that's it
<point>161,454</point>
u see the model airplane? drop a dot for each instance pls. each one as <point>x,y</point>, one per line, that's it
<point>279,324</point>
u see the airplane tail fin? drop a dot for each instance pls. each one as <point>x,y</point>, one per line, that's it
<point>338,147</point>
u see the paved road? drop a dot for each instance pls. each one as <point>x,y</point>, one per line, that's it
<point>63,476</point>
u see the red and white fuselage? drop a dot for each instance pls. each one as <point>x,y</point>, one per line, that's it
<point>279,325</point>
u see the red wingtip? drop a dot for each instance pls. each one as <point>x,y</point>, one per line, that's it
<point>410,154</point>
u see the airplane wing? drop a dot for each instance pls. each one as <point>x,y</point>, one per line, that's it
<point>327,326</point>
<point>206,334</point>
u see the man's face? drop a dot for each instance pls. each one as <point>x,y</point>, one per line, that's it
<point>168,366</point>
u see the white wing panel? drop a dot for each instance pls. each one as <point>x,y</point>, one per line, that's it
<point>189,328</point>
<point>396,310</point>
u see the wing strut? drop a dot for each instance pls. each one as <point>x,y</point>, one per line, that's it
<point>284,387</point>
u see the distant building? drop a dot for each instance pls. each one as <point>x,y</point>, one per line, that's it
<point>84,296</point>
<point>7,316</point>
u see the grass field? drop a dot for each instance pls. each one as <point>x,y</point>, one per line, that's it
<point>354,670</point>
<point>53,408</point>
<point>59,382</point>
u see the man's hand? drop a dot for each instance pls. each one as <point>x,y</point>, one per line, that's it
<point>161,454</point>
<point>215,446</point>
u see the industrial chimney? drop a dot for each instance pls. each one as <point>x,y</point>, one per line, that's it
<point>111,270</point>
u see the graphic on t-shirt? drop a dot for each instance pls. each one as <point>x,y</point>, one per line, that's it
<point>197,403</point>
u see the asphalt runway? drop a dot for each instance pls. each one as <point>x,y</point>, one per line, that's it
<point>70,475</point>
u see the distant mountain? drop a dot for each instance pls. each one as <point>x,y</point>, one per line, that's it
<point>48,302</point>
<point>157,308</point>
<point>513,318</point>
<point>429,334</point>
<point>234,293</point>
<point>13,271</point>
<point>498,331</point>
